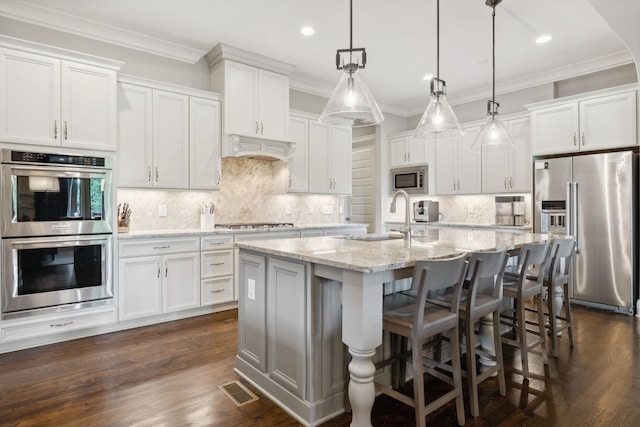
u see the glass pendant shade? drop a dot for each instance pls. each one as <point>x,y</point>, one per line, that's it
<point>438,118</point>
<point>351,103</point>
<point>493,136</point>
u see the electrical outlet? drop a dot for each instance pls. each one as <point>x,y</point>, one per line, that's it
<point>469,208</point>
<point>310,209</point>
<point>162,210</point>
<point>251,289</point>
<point>287,209</point>
<point>327,209</point>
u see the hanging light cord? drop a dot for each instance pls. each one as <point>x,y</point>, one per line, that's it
<point>493,53</point>
<point>438,40</point>
<point>351,31</point>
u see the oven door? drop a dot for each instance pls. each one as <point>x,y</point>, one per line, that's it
<point>53,200</point>
<point>51,274</point>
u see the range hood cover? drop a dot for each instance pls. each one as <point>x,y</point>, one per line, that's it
<point>257,148</point>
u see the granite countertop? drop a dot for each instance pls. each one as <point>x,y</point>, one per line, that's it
<point>375,256</point>
<point>526,227</point>
<point>218,231</point>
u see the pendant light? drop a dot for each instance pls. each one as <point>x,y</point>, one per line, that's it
<point>438,116</point>
<point>493,135</point>
<point>351,103</point>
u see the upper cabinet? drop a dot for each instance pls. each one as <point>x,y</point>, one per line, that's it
<point>457,167</point>
<point>509,171</point>
<point>406,150</point>
<point>255,90</point>
<point>329,159</point>
<point>57,102</point>
<point>601,120</point>
<point>168,137</point>
<point>295,172</point>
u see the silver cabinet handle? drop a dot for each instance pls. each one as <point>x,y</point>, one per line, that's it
<point>409,156</point>
<point>458,185</point>
<point>505,182</point>
<point>261,128</point>
<point>156,174</point>
<point>158,267</point>
<point>166,269</point>
<point>218,178</point>
<point>583,140</point>
<point>55,129</point>
<point>66,130</point>
<point>217,291</point>
<point>216,263</point>
<point>454,185</point>
<point>215,243</point>
<point>574,138</point>
<point>405,156</point>
<point>511,182</point>
<point>58,325</point>
<point>256,127</point>
<point>289,181</point>
<point>162,247</point>
<point>149,174</point>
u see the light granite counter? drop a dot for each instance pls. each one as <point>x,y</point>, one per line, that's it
<point>469,225</point>
<point>375,256</point>
<point>199,232</point>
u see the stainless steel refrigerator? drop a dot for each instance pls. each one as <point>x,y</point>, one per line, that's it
<point>593,197</point>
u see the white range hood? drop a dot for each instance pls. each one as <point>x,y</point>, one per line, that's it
<point>257,148</point>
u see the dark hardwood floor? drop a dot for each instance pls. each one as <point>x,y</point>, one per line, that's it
<point>168,375</point>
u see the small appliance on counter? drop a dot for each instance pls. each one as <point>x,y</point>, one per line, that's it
<point>426,211</point>
<point>510,210</point>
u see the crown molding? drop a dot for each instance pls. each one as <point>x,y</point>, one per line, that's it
<point>45,17</point>
<point>223,51</point>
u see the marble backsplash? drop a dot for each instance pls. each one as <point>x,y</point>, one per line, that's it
<point>246,195</point>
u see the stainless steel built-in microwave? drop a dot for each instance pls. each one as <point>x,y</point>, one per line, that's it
<point>412,179</point>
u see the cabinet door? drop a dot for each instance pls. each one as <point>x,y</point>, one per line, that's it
<point>252,316</point>
<point>134,135</point>
<point>89,106</point>
<point>297,180</point>
<point>140,290</point>
<point>30,96</point>
<point>446,174</point>
<point>495,171</point>
<point>204,144</point>
<point>286,324</point>
<point>469,164</point>
<point>398,154</point>
<point>319,172</point>
<point>417,151</point>
<point>170,140</point>
<point>340,160</point>
<point>520,158</point>
<point>241,99</point>
<point>608,122</point>
<point>274,105</point>
<point>181,281</point>
<point>554,129</point>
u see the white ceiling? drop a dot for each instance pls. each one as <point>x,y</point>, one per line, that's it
<point>399,36</point>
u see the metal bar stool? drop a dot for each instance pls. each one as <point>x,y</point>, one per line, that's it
<point>418,321</point>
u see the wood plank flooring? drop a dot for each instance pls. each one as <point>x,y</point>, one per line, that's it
<point>168,375</point>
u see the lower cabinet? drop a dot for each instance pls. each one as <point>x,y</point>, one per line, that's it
<point>216,270</point>
<point>158,276</point>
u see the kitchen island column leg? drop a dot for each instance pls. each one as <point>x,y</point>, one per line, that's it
<point>362,332</point>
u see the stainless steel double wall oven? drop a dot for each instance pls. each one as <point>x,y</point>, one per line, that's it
<point>56,227</point>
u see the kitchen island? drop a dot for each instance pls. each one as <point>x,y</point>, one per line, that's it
<point>300,299</point>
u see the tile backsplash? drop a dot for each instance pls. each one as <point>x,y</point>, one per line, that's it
<point>246,195</point>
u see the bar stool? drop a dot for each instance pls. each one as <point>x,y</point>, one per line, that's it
<point>519,286</point>
<point>557,279</point>
<point>420,320</point>
<point>480,300</point>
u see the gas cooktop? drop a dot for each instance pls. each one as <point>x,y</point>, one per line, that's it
<point>254,225</point>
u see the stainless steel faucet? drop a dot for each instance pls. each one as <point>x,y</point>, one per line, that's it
<point>406,230</point>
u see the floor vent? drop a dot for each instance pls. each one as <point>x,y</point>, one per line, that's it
<point>238,393</point>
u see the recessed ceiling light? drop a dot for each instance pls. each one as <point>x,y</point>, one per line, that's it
<point>428,77</point>
<point>307,31</point>
<point>543,39</point>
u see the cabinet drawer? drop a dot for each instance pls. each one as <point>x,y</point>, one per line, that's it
<point>216,263</point>
<point>216,291</point>
<point>218,242</point>
<point>57,325</point>
<point>158,246</point>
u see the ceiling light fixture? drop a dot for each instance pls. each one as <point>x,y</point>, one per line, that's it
<point>493,135</point>
<point>307,31</point>
<point>543,39</point>
<point>438,116</point>
<point>351,103</point>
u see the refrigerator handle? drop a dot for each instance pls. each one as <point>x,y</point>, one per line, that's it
<point>572,212</point>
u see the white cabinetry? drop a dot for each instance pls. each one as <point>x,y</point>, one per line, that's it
<point>457,166</point>
<point>406,150</point>
<point>601,120</point>
<point>256,101</point>
<point>509,171</point>
<point>293,176</point>
<point>168,138</point>
<point>216,269</point>
<point>330,159</point>
<point>49,101</point>
<point>158,276</point>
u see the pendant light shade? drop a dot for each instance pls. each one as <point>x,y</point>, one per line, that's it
<point>351,102</point>
<point>493,134</point>
<point>438,118</point>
